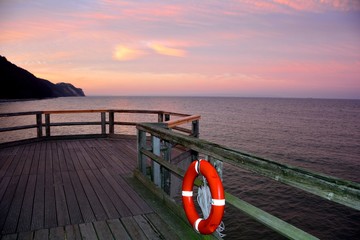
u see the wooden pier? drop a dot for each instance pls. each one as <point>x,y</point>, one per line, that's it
<point>78,189</point>
<point>112,186</point>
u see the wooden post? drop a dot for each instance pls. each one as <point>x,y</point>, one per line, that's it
<point>47,124</point>
<point>103,123</point>
<point>141,143</point>
<point>111,122</point>
<point>196,128</point>
<point>195,133</point>
<point>39,124</point>
<point>156,176</point>
<point>160,117</point>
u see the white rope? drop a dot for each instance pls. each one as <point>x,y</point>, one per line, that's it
<point>204,201</point>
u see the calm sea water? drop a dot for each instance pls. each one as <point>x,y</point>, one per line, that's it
<point>316,134</point>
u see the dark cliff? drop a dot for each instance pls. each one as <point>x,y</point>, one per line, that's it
<point>17,83</point>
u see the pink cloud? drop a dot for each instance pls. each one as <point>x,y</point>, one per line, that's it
<point>149,11</point>
<point>97,16</point>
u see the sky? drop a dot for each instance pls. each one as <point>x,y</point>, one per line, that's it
<point>244,48</point>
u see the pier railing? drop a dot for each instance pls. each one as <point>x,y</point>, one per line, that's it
<point>158,152</point>
<point>106,120</point>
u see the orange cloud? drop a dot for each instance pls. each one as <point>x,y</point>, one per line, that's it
<point>169,51</point>
<point>123,53</point>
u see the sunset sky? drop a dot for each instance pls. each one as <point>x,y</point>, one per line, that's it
<point>273,48</point>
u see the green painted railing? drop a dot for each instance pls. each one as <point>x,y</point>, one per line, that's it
<point>334,189</point>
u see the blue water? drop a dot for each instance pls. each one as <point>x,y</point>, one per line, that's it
<point>321,135</point>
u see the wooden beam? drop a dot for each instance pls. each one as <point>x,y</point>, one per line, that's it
<point>180,121</point>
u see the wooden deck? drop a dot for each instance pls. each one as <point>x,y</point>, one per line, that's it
<point>75,189</point>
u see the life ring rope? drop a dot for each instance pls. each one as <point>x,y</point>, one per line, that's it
<point>210,224</point>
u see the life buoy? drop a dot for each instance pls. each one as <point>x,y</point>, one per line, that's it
<point>210,224</point>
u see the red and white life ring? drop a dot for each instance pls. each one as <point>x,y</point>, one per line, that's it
<point>210,224</point>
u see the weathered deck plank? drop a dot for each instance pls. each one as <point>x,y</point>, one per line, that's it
<point>73,232</point>
<point>15,207</point>
<point>123,195</point>
<point>71,200</point>
<point>7,200</point>
<point>133,228</point>
<point>146,227</point>
<point>84,203</point>
<point>50,208</point>
<point>118,229</point>
<point>97,207</point>
<point>37,221</point>
<point>103,230</point>
<point>116,201</point>
<point>103,197</point>
<point>26,210</point>
<point>63,217</point>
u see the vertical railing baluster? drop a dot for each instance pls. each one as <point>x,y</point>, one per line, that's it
<point>156,176</point>
<point>141,143</point>
<point>39,124</point>
<point>47,124</point>
<point>166,182</point>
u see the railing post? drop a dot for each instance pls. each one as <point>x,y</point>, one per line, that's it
<point>156,175</point>
<point>39,124</point>
<point>195,133</point>
<point>103,123</point>
<point>111,122</point>
<point>47,124</point>
<point>196,128</point>
<point>141,143</point>
<point>160,117</point>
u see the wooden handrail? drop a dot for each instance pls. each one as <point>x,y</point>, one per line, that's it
<point>11,114</point>
<point>14,114</point>
<point>180,121</point>
<point>331,188</point>
<point>73,111</point>
<point>40,116</point>
<point>334,189</point>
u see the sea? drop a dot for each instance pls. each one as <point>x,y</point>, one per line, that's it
<point>320,135</point>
